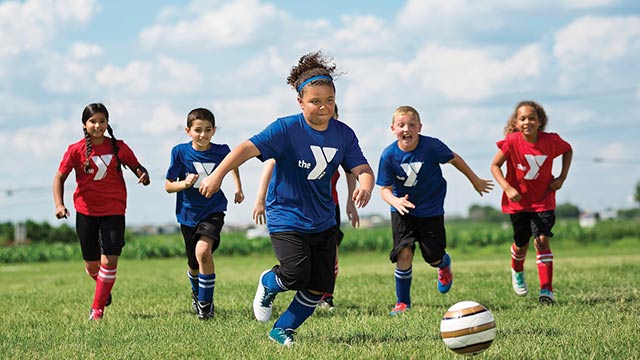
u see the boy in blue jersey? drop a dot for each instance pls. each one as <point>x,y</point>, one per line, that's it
<point>411,182</point>
<point>308,148</point>
<point>201,218</point>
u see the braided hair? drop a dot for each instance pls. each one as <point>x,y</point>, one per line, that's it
<point>87,113</point>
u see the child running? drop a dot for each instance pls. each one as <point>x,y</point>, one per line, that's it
<point>530,191</point>
<point>308,148</point>
<point>201,219</point>
<point>412,184</point>
<point>100,199</point>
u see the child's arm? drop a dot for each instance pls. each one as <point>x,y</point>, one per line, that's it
<point>556,184</point>
<point>362,194</point>
<point>235,158</point>
<point>58,195</point>
<point>259,208</point>
<point>239,195</point>
<point>481,185</point>
<point>496,170</point>
<point>402,205</point>
<point>172,186</point>
<point>142,174</point>
<point>352,211</point>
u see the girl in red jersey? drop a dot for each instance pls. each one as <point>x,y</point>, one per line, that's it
<point>100,198</point>
<point>530,190</point>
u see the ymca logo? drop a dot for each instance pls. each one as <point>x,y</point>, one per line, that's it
<point>412,170</point>
<point>203,170</point>
<point>102,162</point>
<point>322,156</point>
<point>535,162</point>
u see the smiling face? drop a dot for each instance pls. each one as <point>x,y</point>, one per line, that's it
<point>317,104</point>
<point>406,127</point>
<point>527,122</point>
<point>201,132</point>
<point>96,125</point>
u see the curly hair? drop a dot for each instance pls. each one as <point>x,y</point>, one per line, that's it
<point>542,116</point>
<point>88,112</point>
<point>310,65</point>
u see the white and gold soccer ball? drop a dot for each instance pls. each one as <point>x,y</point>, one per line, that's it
<point>468,328</point>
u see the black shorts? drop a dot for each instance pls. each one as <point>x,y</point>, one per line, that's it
<point>100,235</point>
<point>340,233</point>
<point>209,227</point>
<point>307,261</point>
<point>428,232</point>
<point>526,224</point>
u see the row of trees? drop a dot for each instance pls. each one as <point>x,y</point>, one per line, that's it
<point>39,232</point>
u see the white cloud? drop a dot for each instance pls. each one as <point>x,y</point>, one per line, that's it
<point>164,75</point>
<point>231,24</point>
<point>363,34</point>
<point>30,25</point>
<point>600,39</point>
<point>71,71</point>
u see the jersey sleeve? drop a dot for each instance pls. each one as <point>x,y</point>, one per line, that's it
<point>69,160</point>
<point>443,153</point>
<point>385,173</point>
<point>270,141</point>
<point>173,173</point>
<point>127,156</point>
<point>560,145</point>
<point>503,145</point>
<point>353,153</point>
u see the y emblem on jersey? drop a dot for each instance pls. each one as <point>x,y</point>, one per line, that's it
<point>322,156</point>
<point>102,162</point>
<point>203,170</point>
<point>535,162</point>
<point>412,170</point>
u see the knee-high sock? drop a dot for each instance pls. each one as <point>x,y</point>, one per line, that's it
<point>302,306</point>
<point>94,276</point>
<point>104,284</point>
<point>403,285</point>
<point>545,269</point>
<point>273,282</point>
<point>193,280</point>
<point>206,285</point>
<point>517,259</point>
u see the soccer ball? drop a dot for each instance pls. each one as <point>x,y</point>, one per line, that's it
<point>468,328</point>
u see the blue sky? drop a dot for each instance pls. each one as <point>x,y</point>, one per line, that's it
<point>463,64</point>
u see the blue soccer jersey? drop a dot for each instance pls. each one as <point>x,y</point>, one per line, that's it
<point>191,207</point>
<point>418,174</point>
<point>299,197</point>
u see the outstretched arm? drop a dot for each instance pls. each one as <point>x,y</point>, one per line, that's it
<point>352,210</point>
<point>496,171</point>
<point>481,185</point>
<point>259,208</point>
<point>234,159</point>
<point>556,184</point>
<point>362,194</point>
<point>58,195</point>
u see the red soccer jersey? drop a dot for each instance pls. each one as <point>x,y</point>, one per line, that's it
<point>529,168</point>
<point>102,191</point>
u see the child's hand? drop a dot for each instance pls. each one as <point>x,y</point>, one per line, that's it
<point>61,212</point>
<point>259,213</point>
<point>556,184</point>
<point>361,197</point>
<point>352,214</point>
<point>402,205</point>
<point>483,186</point>
<point>239,197</point>
<point>209,186</point>
<point>512,194</point>
<point>143,176</point>
<point>190,180</point>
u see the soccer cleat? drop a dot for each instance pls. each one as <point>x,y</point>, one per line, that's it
<point>327,303</point>
<point>518,282</point>
<point>546,297</point>
<point>282,336</point>
<point>96,314</point>
<point>263,301</point>
<point>445,277</point>
<point>205,310</point>
<point>400,308</point>
<point>108,301</point>
<point>194,302</point>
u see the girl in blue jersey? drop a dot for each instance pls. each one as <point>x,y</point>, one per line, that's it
<point>201,218</point>
<point>308,148</point>
<point>411,182</point>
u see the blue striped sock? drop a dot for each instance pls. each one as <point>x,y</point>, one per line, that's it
<point>206,284</point>
<point>403,285</point>
<point>193,279</point>
<point>273,282</point>
<point>302,306</point>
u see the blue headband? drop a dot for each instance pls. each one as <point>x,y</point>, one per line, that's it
<point>319,77</point>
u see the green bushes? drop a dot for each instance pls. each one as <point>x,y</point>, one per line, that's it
<point>460,234</point>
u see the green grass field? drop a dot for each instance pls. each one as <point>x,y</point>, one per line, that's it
<point>44,309</point>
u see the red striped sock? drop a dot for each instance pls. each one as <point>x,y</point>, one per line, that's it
<point>517,259</point>
<point>94,276</point>
<point>104,284</point>
<point>545,269</point>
